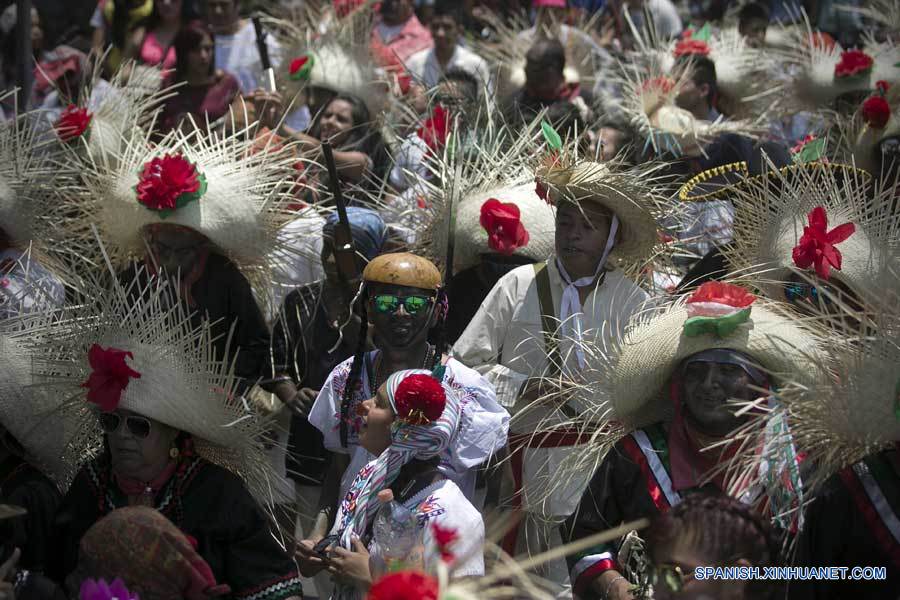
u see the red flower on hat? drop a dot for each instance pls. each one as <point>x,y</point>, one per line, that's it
<point>663,85</point>
<point>502,222</point>
<point>169,182</point>
<point>817,244</point>
<point>420,400</point>
<point>110,375</point>
<point>435,129</point>
<point>723,293</point>
<point>540,190</point>
<point>301,67</point>
<point>691,46</point>
<point>853,63</point>
<point>405,585</point>
<point>876,111</point>
<point>443,538</point>
<point>73,122</point>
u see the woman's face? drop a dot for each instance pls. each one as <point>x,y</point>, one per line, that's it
<point>377,416</point>
<point>400,315</point>
<point>169,10</point>
<point>336,122</point>
<point>707,388</point>
<point>200,59</point>
<point>138,451</point>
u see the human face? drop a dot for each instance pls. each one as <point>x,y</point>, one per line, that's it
<point>754,33</point>
<point>396,12</point>
<point>199,62</point>
<point>674,573</point>
<point>37,31</point>
<point>377,417</point>
<point>610,143</point>
<point>329,265</point>
<point>445,33</point>
<point>581,235</point>
<point>222,15</point>
<point>169,10</point>
<point>175,249</point>
<point>693,98</point>
<point>542,82</point>
<point>399,329</point>
<point>141,458</point>
<point>336,122</point>
<point>706,389</point>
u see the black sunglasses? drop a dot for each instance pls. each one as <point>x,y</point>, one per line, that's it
<point>137,426</point>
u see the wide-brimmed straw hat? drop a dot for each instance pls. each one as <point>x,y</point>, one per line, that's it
<point>136,350</point>
<point>221,187</point>
<point>778,218</point>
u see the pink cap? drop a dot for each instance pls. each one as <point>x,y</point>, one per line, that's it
<point>548,3</point>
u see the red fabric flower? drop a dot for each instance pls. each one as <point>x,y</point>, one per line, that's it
<point>444,537</point>
<point>109,377</point>
<point>540,190</point>
<point>853,63</point>
<point>301,67</point>
<point>663,85</point>
<point>404,585</point>
<point>73,122</point>
<point>420,400</point>
<point>698,47</point>
<point>502,222</point>
<point>817,244</point>
<point>165,179</point>
<point>435,129</point>
<point>876,112</point>
<point>723,293</point>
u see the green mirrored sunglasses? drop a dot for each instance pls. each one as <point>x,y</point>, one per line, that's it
<point>388,303</point>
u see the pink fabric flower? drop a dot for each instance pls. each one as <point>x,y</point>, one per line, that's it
<point>100,590</point>
<point>109,377</point>
<point>817,244</point>
<point>73,122</point>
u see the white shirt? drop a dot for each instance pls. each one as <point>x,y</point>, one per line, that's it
<point>424,66</point>
<point>665,17</point>
<point>238,55</point>
<point>482,431</point>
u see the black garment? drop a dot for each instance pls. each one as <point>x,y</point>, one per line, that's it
<point>23,485</point>
<point>206,502</point>
<point>712,267</point>
<point>224,297</point>
<point>301,340</point>
<point>837,534</point>
<point>522,108</point>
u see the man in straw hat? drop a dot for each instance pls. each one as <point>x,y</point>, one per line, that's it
<point>680,377</point>
<point>403,298</point>
<point>602,218</point>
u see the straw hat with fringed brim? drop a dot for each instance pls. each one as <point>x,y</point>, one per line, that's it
<point>28,413</point>
<point>624,194</point>
<point>655,345</point>
<point>243,198</point>
<point>772,210</point>
<point>842,419</point>
<point>536,216</point>
<point>182,384</point>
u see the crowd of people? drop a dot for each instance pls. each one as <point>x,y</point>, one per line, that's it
<point>450,299</point>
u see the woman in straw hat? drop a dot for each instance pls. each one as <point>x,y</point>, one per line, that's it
<point>530,325</point>
<point>161,426</point>
<point>402,297</point>
<point>680,375</point>
<point>413,419</point>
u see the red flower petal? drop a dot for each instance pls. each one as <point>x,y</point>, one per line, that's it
<point>698,47</point>
<point>723,293</point>
<point>841,233</point>
<point>435,129</point>
<point>404,585</point>
<point>420,400</point>
<point>817,245</point>
<point>502,222</point>
<point>109,377</point>
<point>852,63</point>
<point>73,122</point>
<point>164,179</point>
<point>876,112</point>
<point>298,63</point>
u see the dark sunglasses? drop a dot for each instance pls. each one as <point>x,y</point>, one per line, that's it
<point>797,291</point>
<point>388,303</point>
<point>110,422</point>
<point>670,576</point>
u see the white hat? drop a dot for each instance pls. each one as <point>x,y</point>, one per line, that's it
<point>165,370</point>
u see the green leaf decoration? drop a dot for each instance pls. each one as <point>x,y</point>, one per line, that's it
<point>703,34</point>
<point>897,401</point>
<point>811,152</point>
<point>718,326</point>
<point>553,139</point>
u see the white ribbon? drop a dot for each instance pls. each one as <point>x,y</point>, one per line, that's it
<point>570,309</point>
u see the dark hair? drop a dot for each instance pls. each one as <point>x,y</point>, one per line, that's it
<point>547,53</point>
<point>566,118</point>
<point>754,11</point>
<point>702,70</point>
<point>355,366</point>
<point>189,39</point>
<point>119,27</point>
<point>470,83</point>
<point>630,152</point>
<point>364,136</point>
<point>720,529</point>
<point>188,13</point>
<point>449,8</point>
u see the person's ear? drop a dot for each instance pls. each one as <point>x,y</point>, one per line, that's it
<point>706,90</point>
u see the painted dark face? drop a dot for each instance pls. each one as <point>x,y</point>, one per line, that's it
<point>707,387</point>
<point>581,236</point>
<point>400,315</point>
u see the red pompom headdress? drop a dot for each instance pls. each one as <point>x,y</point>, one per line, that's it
<point>420,400</point>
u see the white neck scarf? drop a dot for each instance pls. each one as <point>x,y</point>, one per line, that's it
<point>570,308</point>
